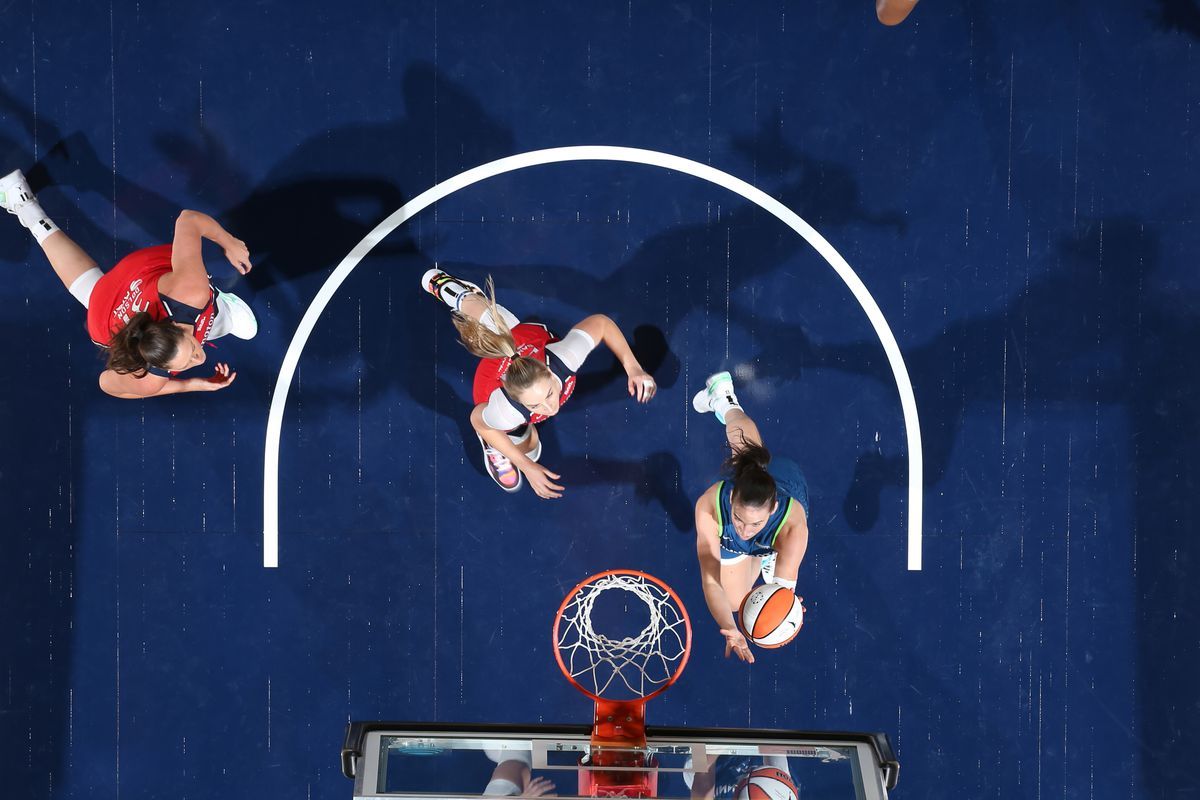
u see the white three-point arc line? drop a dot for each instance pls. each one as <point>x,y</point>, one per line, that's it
<point>291,359</point>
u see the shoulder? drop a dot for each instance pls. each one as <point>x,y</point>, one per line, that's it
<point>706,501</point>
<point>573,348</point>
<point>796,523</point>
<point>118,384</point>
<point>500,413</point>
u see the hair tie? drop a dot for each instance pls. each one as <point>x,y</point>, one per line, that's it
<point>505,363</point>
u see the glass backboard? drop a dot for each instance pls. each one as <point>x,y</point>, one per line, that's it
<point>439,760</point>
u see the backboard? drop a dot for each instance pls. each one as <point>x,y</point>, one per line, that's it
<point>442,760</point>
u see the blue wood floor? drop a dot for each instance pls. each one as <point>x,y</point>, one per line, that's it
<point>1016,184</point>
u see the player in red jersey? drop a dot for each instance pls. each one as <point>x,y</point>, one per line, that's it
<point>525,377</point>
<point>153,311</point>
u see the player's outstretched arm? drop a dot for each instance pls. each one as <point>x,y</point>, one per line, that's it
<point>188,280</point>
<point>604,331</point>
<point>708,552</point>
<point>131,387</point>
<point>791,545</point>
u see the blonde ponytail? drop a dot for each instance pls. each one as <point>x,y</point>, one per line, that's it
<point>480,340</point>
<point>484,342</point>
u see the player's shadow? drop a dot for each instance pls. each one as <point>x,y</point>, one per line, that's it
<point>315,204</point>
<point>1078,337</point>
<point>650,347</point>
<point>311,207</point>
<point>1066,337</point>
<point>691,259</point>
<point>71,168</point>
<point>1182,16</point>
<point>381,333</point>
<point>1142,359</point>
<point>656,479</point>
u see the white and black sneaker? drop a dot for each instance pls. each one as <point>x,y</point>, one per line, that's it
<point>15,193</point>
<point>717,396</point>
<point>447,288</point>
<point>19,200</point>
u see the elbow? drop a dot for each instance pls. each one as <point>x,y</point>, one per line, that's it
<point>189,220</point>
<point>112,392</point>
<point>105,385</point>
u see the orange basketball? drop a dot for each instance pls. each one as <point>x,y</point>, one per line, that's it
<point>771,615</point>
<point>766,783</point>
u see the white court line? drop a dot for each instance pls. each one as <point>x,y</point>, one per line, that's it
<point>291,359</point>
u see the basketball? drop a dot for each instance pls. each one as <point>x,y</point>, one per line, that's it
<point>771,615</point>
<point>766,783</point>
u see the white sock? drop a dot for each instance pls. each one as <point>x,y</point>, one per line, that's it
<point>33,218</point>
<point>723,403</point>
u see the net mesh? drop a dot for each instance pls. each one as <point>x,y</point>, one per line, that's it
<point>629,667</point>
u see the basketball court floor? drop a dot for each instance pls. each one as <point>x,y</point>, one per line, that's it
<point>1002,566</point>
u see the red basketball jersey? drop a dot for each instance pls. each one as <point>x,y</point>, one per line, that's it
<point>132,287</point>
<point>531,340</point>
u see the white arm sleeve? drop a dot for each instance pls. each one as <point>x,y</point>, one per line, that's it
<point>500,414</point>
<point>573,348</point>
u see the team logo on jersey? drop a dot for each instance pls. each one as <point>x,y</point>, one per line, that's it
<point>132,303</point>
<point>205,322</point>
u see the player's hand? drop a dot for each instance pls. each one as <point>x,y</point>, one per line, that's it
<point>641,386</point>
<point>223,376</point>
<point>539,787</point>
<point>238,255</point>
<point>540,481</point>
<point>736,643</point>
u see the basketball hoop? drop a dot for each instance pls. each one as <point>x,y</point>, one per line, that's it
<point>621,664</point>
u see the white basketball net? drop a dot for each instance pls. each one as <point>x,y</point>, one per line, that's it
<point>642,663</point>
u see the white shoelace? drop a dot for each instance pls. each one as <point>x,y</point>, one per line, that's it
<point>498,459</point>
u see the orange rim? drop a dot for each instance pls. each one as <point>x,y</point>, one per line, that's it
<point>687,624</point>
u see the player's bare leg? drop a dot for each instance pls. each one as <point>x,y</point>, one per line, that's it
<point>68,259</point>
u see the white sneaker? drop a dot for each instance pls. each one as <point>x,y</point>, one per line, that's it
<point>767,567</point>
<point>235,317</point>
<point>447,288</point>
<point>717,396</point>
<point>15,193</point>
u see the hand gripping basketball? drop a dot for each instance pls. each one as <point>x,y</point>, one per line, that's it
<point>771,615</point>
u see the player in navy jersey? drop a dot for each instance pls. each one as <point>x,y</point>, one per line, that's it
<point>525,376</point>
<point>756,522</point>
